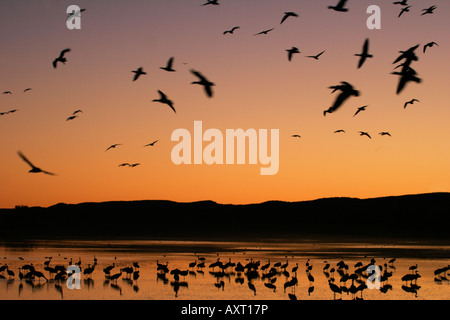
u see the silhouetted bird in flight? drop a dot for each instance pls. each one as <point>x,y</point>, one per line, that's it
<point>402,3</point>
<point>405,9</point>
<point>138,73</point>
<point>163,99</point>
<point>7,92</point>
<point>113,146</point>
<point>124,164</point>
<point>429,45</point>
<point>27,89</point>
<point>34,169</point>
<point>8,112</point>
<point>151,144</point>
<point>409,55</point>
<point>213,2</point>
<point>71,118</point>
<point>384,133</point>
<point>340,6</point>
<point>77,111</point>
<point>168,67</point>
<point>363,108</point>
<point>207,85</point>
<point>61,58</point>
<point>362,133</point>
<point>347,91</point>
<point>75,14</point>
<point>231,30</point>
<point>407,74</point>
<point>296,136</point>
<point>429,10</point>
<point>340,131</point>
<point>264,31</point>
<point>134,165</point>
<point>287,15</point>
<point>365,54</point>
<point>291,52</point>
<point>316,56</point>
<point>410,102</point>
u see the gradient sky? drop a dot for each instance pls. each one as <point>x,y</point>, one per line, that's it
<point>256,87</point>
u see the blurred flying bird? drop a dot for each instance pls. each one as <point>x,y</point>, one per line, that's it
<point>163,99</point>
<point>365,54</point>
<point>264,31</point>
<point>113,146</point>
<point>75,13</point>
<point>384,133</point>
<point>402,3</point>
<point>410,102</point>
<point>316,56</point>
<point>213,2</point>
<point>339,131</point>
<point>27,89</point>
<point>406,9</point>
<point>231,30</point>
<point>340,6</point>
<point>296,136</point>
<point>151,144</point>
<point>429,10</point>
<point>76,111</point>
<point>429,45</point>
<point>34,169</point>
<point>71,118</point>
<point>360,109</point>
<point>7,92</point>
<point>347,91</point>
<point>61,58</point>
<point>287,15</point>
<point>138,73</point>
<point>168,67</point>
<point>362,133</point>
<point>291,52</point>
<point>207,85</point>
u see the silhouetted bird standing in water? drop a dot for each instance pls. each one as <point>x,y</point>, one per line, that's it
<point>287,15</point>
<point>231,31</point>
<point>409,102</point>
<point>207,85</point>
<point>291,52</point>
<point>429,10</point>
<point>61,58</point>
<point>34,169</point>
<point>169,65</point>
<point>365,54</point>
<point>137,73</point>
<point>340,7</point>
<point>347,91</point>
<point>163,99</point>
<point>429,45</point>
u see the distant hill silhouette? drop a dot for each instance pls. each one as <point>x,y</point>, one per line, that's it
<point>421,217</point>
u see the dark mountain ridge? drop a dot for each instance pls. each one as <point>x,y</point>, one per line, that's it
<point>409,217</point>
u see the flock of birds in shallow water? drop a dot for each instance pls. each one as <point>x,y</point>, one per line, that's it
<point>281,275</point>
<point>346,90</point>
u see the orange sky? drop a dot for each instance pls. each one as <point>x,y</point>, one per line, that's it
<point>256,87</point>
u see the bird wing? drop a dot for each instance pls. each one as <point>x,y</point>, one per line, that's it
<point>284,18</point>
<point>25,159</point>
<point>54,63</point>
<point>61,55</point>
<point>136,75</point>
<point>162,95</point>
<point>199,75</point>
<point>366,46</point>
<point>49,173</point>
<point>169,63</point>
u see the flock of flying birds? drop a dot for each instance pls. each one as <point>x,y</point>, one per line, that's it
<point>346,90</point>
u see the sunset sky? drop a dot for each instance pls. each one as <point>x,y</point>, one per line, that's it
<point>255,87</point>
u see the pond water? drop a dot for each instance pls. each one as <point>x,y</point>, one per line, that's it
<point>207,283</point>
